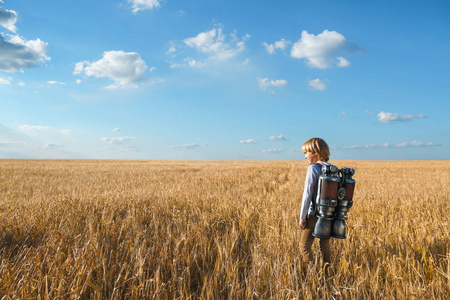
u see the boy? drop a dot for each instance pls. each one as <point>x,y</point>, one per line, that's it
<point>317,153</point>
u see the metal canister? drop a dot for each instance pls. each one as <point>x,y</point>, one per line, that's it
<point>328,192</point>
<point>345,202</point>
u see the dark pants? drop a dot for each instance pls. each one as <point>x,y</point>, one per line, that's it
<point>307,240</point>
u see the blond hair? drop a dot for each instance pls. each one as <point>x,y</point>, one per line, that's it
<point>317,146</point>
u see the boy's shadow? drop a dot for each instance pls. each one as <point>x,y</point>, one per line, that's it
<point>14,240</point>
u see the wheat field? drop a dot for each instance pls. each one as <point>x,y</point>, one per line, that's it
<point>82,229</point>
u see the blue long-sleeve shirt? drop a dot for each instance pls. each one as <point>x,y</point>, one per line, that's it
<point>310,189</point>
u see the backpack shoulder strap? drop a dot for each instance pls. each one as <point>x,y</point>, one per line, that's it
<point>318,191</point>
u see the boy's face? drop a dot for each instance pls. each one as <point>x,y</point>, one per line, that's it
<point>312,158</point>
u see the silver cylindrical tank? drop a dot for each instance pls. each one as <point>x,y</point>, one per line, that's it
<point>328,192</point>
<point>345,202</point>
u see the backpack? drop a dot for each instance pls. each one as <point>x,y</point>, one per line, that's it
<point>334,200</point>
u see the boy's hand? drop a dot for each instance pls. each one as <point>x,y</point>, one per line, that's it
<point>302,224</point>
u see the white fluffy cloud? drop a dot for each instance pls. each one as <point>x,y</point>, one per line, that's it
<point>8,19</point>
<point>276,138</point>
<point>17,53</point>
<point>248,141</point>
<point>265,83</point>
<point>137,5</point>
<point>317,84</point>
<point>124,68</point>
<point>320,50</point>
<point>213,43</point>
<point>387,117</point>
<point>117,140</point>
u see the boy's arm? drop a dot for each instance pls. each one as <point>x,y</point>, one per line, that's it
<point>312,175</point>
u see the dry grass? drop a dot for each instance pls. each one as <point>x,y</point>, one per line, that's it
<point>215,230</point>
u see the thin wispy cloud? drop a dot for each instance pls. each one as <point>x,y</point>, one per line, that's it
<point>317,84</point>
<point>117,140</point>
<point>216,44</point>
<point>194,63</point>
<point>174,65</point>
<point>41,128</point>
<point>4,81</point>
<point>248,141</point>
<point>8,143</point>
<point>266,83</point>
<point>50,146</point>
<point>186,146</point>
<point>276,138</point>
<point>269,48</point>
<point>27,127</point>
<point>245,62</point>
<point>53,82</point>
<point>274,150</point>
<point>388,118</point>
<point>120,148</point>
<point>172,50</point>
<point>342,62</point>
<point>278,45</point>
<point>137,5</point>
<point>417,144</point>
<point>66,132</point>
<point>413,143</point>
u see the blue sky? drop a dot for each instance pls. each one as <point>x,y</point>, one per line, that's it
<point>224,80</point>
